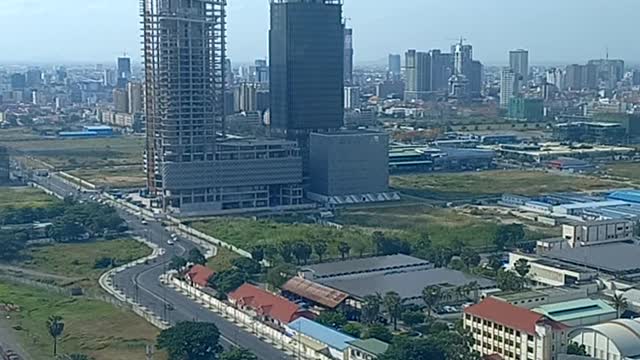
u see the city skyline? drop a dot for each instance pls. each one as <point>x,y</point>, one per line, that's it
<point>105,29</point>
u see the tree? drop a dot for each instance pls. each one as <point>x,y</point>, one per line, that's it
<point>620,303</point>
<point>190,341</point>
<point>576,349</point>
<point>196,257</point>
<point>334,319</point>
<point>55,325</point>
<point>302,251</point>
<point>177,263</point>
<point>393,306</point>
<point>412,318</point>
<point>509,236</point>
<point>522,268</point>
<point>238,354</point>
<point>457,264</point>
<point>320,247</point>
<point>378,331</point>
<point>11,244</point>
<point>371,309</point>
<point>431,295</point>
<point>278,275</point>
<point>378,238</point>
<point>406,348</point>
<point>257,253</point>
<point>247,265</point>
<point>495,262</point>
<point>353,329</point>
<point>228,280</point>
<point>344,249</point>
<point>470,258</point>
<point>285,249</point>
<point>509,281</point>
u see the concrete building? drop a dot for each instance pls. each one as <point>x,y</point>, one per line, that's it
<point>580,312</point>
<point>134,98</point>
<point>351,97</point>
<point>549,272</point>
<point>416,68</point>
<point>120,100</point>
<point>395,65</point>
<point>590,132</point>
<point>312,338</point>
<point>519,64</point>
<point>185,45</point>
<point>588,233</point>
<point>513,333</point>
<point>508,87</point>
<point>349,166</point>
<point>368,349</point>
<point>440,70</point>
<point>246,98</point>
<point>529,109</point>
<point>530,299</point>
<point>348,56</point>
<point>614,340</point>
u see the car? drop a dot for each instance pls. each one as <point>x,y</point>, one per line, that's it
<point>174,237</point>
<point>144,222</point>
<point>171,242</point>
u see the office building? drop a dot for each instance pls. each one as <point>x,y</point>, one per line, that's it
<point>608,72</point>
<point>109,78</point>
<point>530,109</point>
<point>508,87</point>
<point>34,78</point>
<point>306,46</point>
<point>350,164</point>
<point>635,79</point>
<point>351,97</point>
<point>395,65</point>
<point>184,54</point>
<point>18,82</point>
<point>519,64</point>
<point>476,81</point>
<point>120,100</point>
<point>124,68</point>
<point>588,233</point>
<point>261,72</point>
<point>246,97</point>
<point>440,70</point>
<point>134,98</point>
<point>511,332</point>
<point>348,56</point>
<point>416,67</point>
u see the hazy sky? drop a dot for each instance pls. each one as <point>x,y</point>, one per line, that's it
<point>553,30</point>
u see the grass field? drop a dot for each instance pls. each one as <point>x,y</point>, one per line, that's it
<point>77,260</point>
<point>71,154</point>
<point>24,197</point>
<point>126,176</point>
<point>627,170</point>
<point>492,183</point>
<point>222,260</point>
<point>91,327</point>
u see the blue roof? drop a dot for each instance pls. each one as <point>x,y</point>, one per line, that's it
<point>321,333</point>
<point>98,127</point>
<point>627,195</point>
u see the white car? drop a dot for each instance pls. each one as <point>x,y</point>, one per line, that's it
<point>144,222</point>
<point>170,242</point>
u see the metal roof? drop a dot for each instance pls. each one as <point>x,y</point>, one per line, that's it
<point>576,309</point>
<point>372,346</point>
<point>315,292</point>
<point>612,258</point>
<point>624,333</point>
<point>321,333</point>
<point>364,265</point>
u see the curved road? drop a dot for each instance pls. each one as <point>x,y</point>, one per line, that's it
<point>142,282</point>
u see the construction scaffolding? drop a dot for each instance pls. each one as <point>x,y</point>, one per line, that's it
<point>184,50</point>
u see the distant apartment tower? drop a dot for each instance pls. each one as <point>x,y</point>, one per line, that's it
<point>395,65</point>
<point>306,46</point>
<point>184,56</point>
<point>440,70</point>
<point>134,97</point>
<point>351,97</point>
<point>120,100</point>
<point>261,72</point>
<point>519,63</point>
<point>124,68</point>
<point>416,67</point>
<point>348,56</point>
<point>508,87</point>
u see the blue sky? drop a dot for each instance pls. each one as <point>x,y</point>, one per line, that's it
<point>553,30</point>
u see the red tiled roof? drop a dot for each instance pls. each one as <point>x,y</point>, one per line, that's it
<point>505,314</point>
<point>200,275</point>
<point>313,291</point>
<point>265,303</point>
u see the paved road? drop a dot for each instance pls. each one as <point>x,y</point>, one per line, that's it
<point>142,282</point>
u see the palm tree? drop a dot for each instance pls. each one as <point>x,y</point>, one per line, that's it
<point>371,309</point>
<point>620,303</point>
<point>56,327</point>
<point>393,306</point>
<point>431,295</point>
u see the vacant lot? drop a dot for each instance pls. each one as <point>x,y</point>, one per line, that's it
<point>24,197</point>
<point>91,327</point>
<point>127,176</point>
<point>77,261</point>
<point>493,183</point>
<point>223,260</point>
<point>626,170</point>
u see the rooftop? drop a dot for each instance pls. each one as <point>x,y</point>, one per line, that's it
<point>316,292</point>
<point>408,284</point>
<point>372,346</point>
<point>614,258</point>
<point>200,275</point>
<point>624,333</point>
<point>576,309</point>
<point>364,265</point>
<point>321,333</point>
<point>507,315</point>
<point>266,303</point>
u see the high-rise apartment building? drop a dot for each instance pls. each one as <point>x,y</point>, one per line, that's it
<point>440,70</point>
<point>184,53</point>
<point>395,65</point>
<point>306,46</point>
<point>134,97</point>
<point>416,66</point>
<point>508,87</point>
<point>261,72</point>
<point>519,63</point>
<point>348,56</point>
<point>120,100</point>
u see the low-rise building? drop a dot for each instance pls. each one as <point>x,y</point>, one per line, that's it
<point>614,340</point>
<point>582,312</point>
<point>199,276</point>
<point>512,332</point>
<point>314,339</point>
<point>533,298</point>
<point>587,233</point>
<point>551,272</point>
<point>368,349</point>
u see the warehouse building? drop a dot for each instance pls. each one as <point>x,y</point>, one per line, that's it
<point>614,340</point>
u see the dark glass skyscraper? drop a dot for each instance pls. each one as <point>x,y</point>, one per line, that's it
<point>306,50</point>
